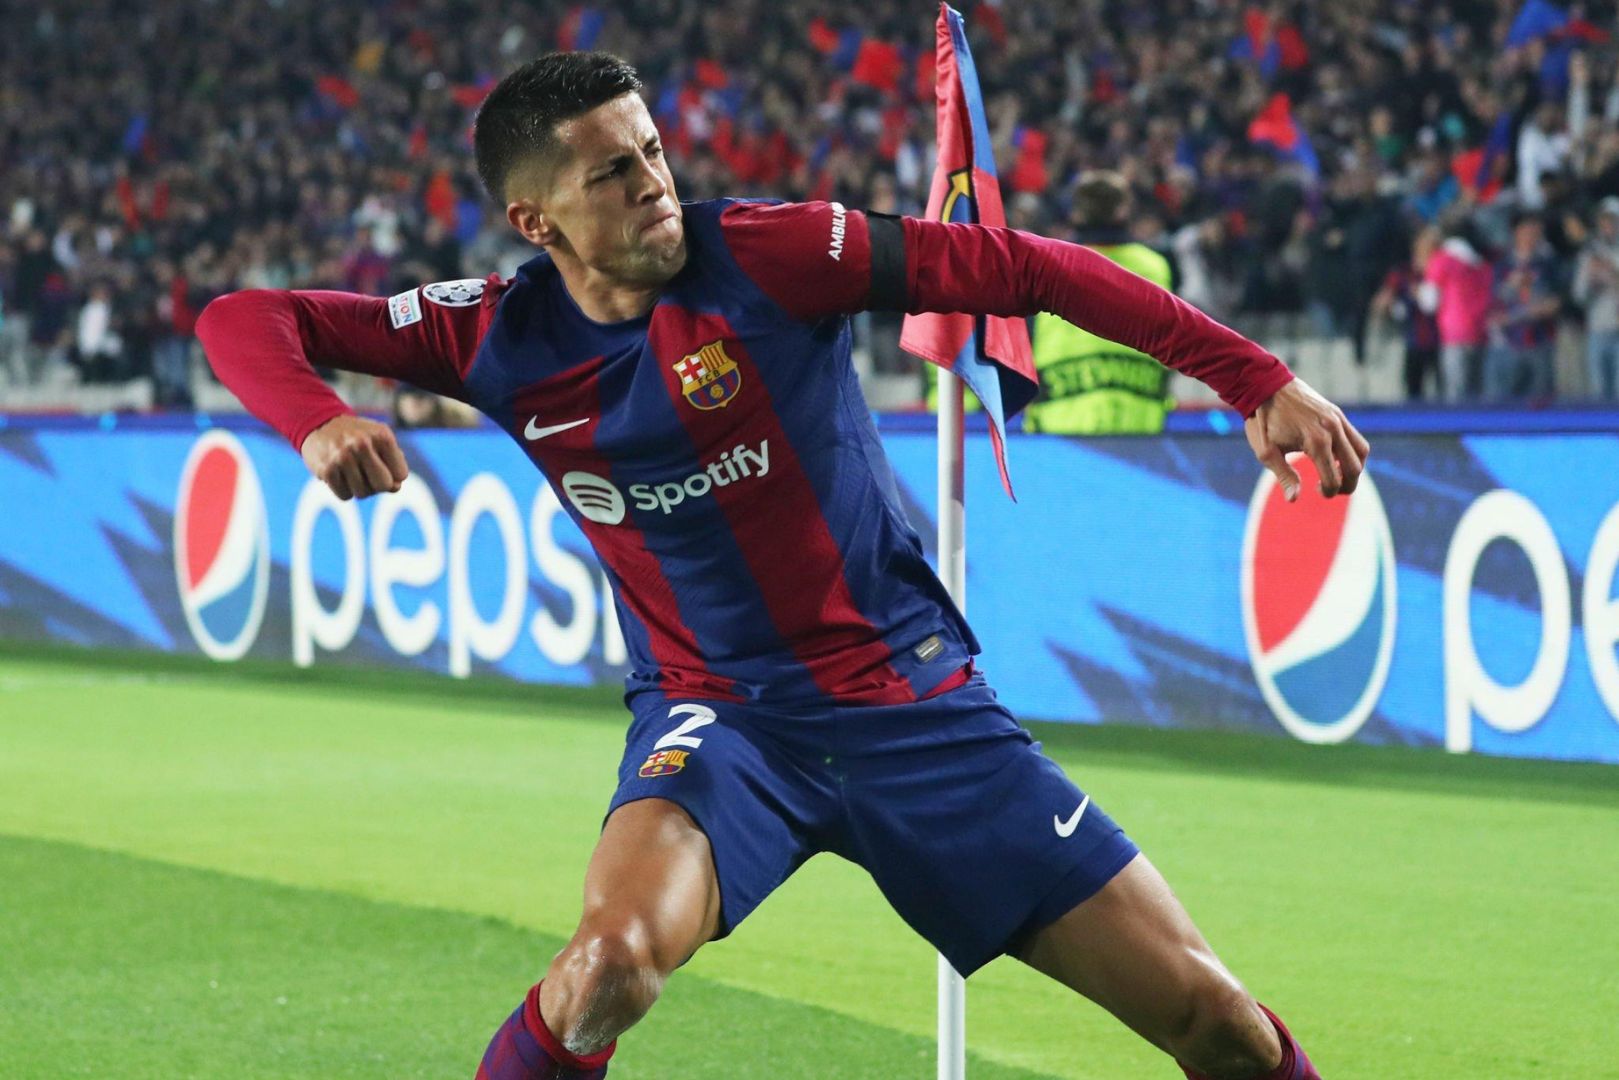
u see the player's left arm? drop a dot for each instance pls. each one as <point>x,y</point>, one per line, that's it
<point>992,271</point>
<point>818,259</point>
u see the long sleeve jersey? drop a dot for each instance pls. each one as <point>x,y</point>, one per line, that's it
<point>717,452</point>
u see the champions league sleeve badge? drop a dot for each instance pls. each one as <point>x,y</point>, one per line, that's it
<point>463,292</point>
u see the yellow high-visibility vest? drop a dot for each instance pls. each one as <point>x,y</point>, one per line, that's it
<point>1092,386</point>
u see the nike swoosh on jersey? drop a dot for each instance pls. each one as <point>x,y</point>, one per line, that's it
<point>531,432</point>
<point>1066,829</point>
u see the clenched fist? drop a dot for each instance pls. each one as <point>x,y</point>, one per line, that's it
<point>355,457</point>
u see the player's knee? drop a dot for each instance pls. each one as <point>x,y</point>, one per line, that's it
<point>613,965</point>
<point>1220,1033</point>
<point>609,973</point>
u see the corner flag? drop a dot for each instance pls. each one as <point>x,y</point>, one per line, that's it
<point>989,353</point>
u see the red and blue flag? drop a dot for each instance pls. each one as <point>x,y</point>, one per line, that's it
<point>989,353</point>
<point>1277,128</point>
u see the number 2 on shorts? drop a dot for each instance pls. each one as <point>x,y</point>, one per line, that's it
<point>701,716</point>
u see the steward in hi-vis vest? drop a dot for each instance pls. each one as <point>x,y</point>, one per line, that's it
<point>1089,385</point>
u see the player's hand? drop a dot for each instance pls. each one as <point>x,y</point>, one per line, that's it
<point>355,457</point>
<point>1296,418</point>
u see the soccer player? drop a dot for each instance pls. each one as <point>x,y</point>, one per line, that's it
<point>800,681</point>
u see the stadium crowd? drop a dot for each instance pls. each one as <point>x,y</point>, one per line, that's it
<point>1449,168</point>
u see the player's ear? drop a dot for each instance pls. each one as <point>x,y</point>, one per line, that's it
<point>532,222</point>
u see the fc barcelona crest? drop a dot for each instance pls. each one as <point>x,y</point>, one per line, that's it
<point>664,762</point>
<point>708,377</point>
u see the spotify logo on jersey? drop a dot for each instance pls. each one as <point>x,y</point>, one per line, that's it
<point>597,499</point>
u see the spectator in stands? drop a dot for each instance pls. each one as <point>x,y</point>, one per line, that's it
<point>98,348</point>
<point>1543,147</point>
<point>1596,288</point>
<point>175,319</point>
<point>34,263</point>
<point>1361,235</point>
<point>1398,299</point>
<point>1434,188</point>
<point>1456,289</point>
<point>1523,316</point>
<point>249,143</point>
<point>1201,255</point>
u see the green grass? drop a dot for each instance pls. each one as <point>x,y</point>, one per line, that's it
<point>252,871</point>
<point>162,971</point>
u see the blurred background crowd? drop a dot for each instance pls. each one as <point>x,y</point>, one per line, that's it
<point>1419,198</point>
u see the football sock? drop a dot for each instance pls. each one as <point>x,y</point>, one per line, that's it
<point>525,1049</point>
<point>1295,1064</point>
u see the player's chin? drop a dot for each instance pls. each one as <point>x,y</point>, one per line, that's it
<point>656,261</point>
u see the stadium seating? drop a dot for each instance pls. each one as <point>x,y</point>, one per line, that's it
<point>160,154</point>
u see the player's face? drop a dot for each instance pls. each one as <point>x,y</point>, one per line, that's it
<point>611,200</point>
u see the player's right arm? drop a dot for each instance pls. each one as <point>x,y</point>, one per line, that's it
<point>264,345</point>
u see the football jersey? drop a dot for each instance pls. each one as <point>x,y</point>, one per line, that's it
<point>719,456</point>
<point>717,451</point>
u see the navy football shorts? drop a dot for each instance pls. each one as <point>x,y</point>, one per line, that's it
<point>968,829</point>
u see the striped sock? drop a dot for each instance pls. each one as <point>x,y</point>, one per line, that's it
<point>525,1049</point>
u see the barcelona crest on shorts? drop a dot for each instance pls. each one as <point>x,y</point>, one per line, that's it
<point>664,762</point>
<point>708,377</point>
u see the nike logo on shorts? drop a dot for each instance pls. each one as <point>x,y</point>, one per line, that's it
<point>531,432</point>
<point>1066,829</point>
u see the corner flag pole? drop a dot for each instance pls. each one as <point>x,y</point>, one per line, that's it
<point>953,572</point>
<point>989,354</point>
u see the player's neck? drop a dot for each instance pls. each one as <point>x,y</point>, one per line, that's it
<point>602,298</point>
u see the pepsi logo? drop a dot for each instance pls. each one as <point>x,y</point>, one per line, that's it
<point>221,546</point>
<point>1318,604</point>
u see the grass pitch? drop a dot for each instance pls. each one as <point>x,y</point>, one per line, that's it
<point>253,872</point>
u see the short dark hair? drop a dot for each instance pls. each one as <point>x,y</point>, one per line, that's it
<point>1100,199</point>
<point>518,119</point>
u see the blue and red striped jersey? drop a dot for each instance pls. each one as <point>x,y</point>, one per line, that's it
<point>717,451</point>
<point>719,456</point>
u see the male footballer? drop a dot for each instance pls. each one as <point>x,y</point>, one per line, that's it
<point>800,680</point>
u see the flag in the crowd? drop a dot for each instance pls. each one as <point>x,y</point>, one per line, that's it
<point>1029,172</point>
<point>1540,19</point>
<point>580,28</point>
<point>1270,45</point>
<point>822,36</point>
<point>878,64</point>
<point>1277,128</point>
<point>471,95</point>
<point>1470,172</point>
<point>1482,169</point>
<point>337,90</point>
<point>989,353</point>
<point>1536,19</point>
<point>1256,44</point>
<point>134,140</point>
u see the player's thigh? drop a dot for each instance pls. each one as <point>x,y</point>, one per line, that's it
<point>652,874</point>
<point>721,784</point>
<point>973,835</point>
<point>1132,949</point>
